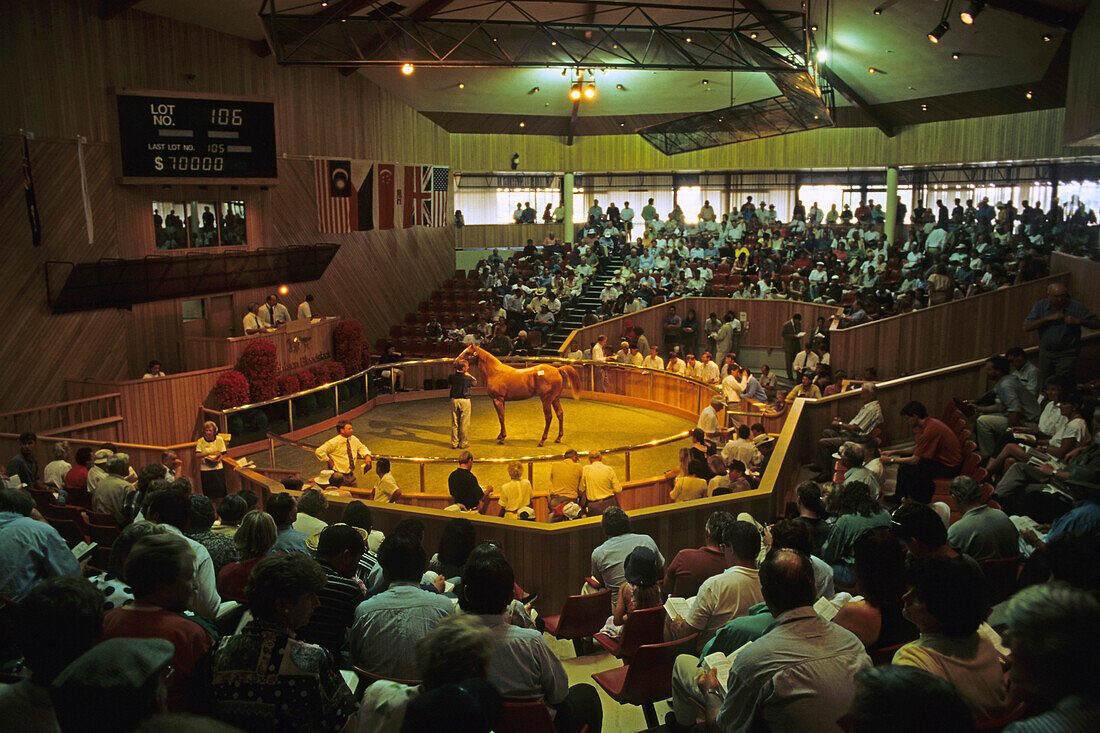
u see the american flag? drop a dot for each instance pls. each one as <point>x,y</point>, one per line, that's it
<point>334,188</point>
<point>425,196</point>
<point>440,181</point>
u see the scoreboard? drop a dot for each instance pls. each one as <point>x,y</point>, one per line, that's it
<point>177,137</point>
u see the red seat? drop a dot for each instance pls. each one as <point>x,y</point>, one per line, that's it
<point>524,716</point>
<point>641,628</point>
<point>103,535</point>
<point>648,678</point>
<point>79,497</point>
<point>42,498</point>
<point>885,655</point>
<point>69,530</point>
<point>1002,577</point>
<point>581,617</point>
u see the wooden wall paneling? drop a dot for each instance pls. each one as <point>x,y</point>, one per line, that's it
<point>1085,277</point>
<point>493,236</point>
<point>943,334</point>
<point>1082,115</point>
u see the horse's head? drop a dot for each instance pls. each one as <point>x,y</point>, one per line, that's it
<point>469,353</point>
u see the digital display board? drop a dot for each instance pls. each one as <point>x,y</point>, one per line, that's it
<point>172,137</point>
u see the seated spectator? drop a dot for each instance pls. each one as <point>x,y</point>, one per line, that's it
<point>200,521</point>
<point>791,535</point>
<point>905,700</point>
<point>1014,405</point>
<point>857,512</point>
<point>812,513</point>
<point>231,511</point>
<point>284,510</point>
<point>171,509</point>
<point>53,475</point>
<point>515,495</point>
<point>727,595</point>
<point>719,483</point>
<point>60,619</point>
<point>742,448</point>
<point>338,549</point>
<point>640,591</point>
<point>24,465</point>
<point>946,602</point>
<point>1052,632</point>
<point>118,684</point>
<point>357,514</point>
<point>32,551</point>
<point>735,477</point>
<point>877,617</point>
<point>256,672</point>
<point>111,583</point>
<point>565,483</point>
<point>1073,434</point>
<point>254,540</point>
<point>922,530</point>
<point>982,532</point>
<point>311,512</point>
<point>687,485</point>
<point>455,544</point>
<point>75,483</point>
<point>798,674</point>
<point>608,558</point>
<point>386,489</point>
<point>160,568</point>
<point>521,664</point>
<point>451,659</point>
<point>690,568</point>
<point>937,453</point>
<point>388,625</point>
<point>111,491</point>
<point>852,457</point>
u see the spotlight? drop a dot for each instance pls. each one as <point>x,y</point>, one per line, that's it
<point>813,28</point>
<point>955,56</point>
<point>872,70</point>
<point>1047,38</point>
<point>877,11</point>
<point>938,32</point>
<point>589,91</point>
<point>523,124</point>
<point>461,85</point>
<point>1028,95</point>
<point>688,39</point>
<point>283,290</point>
<point>967,16</point>
<point>620,87</point>
<point>822,56</point>
<point>753,35</point>
<point>575,91</point>
<point>407,69</point>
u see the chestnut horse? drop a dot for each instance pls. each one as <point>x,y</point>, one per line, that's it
<point>508,383</point>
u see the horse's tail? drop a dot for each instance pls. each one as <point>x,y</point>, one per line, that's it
<point>574,380</point>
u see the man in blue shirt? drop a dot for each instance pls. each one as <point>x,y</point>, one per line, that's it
<point>1059,321</point>
<point>461,384</point>
<point>1014,406</point>
<point>24,465</point>
<point>30,551</point>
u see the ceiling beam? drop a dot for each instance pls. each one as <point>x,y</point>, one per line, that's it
<point>856,100</point>
<point>781,32</point>
<point>1041,12</point>
<point>109,9</point>
<point>573,121</point>
<point>425,11</point>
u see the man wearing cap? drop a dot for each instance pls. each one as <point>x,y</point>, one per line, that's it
<point>110,493</point>
<point>982,532</point>
<point>461,383</point>
<point>340,452</point>
<point>338,549</point>
<point>708,420</point>
<point>98,471</point>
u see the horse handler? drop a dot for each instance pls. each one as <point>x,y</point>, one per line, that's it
<point>461,384</point>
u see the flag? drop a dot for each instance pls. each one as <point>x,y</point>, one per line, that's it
<point>334,196</point>
<point>28,192</point>
<point>387,196</point>
<point>440,182</point>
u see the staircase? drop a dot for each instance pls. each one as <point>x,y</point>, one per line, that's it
<point>588,299</point>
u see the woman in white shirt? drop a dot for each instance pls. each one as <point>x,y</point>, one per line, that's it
<point>515,495</point>
<point>1072,434</point>
<point>210,448</point>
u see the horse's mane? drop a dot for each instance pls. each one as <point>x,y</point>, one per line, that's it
<point>484,356</point>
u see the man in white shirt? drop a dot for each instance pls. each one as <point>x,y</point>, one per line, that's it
<point>627,215</point>
<point>341,451</point>
<point>708,370</point>
<point>725,596</point>
<point>170,509</point>
<point>742,448</point>
<point>733,385</point>
<point>305,308</point>
<point>252,320</point>
<point>676,365</point>
<point>708,420</point>
<point>806,360</point>
<point>866,420</point>
<point>600,486</point>
<point>273,313</point>
<point>652,360</point>
<point>599,349</point>
<point>386,490</point>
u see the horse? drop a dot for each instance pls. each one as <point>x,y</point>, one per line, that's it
<point>508,383</point>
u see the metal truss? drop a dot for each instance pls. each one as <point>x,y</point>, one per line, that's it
<point>536,34</point>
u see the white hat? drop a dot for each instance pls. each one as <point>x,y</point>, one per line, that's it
<point>323,478</point>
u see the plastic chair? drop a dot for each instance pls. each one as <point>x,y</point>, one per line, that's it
<point>102,535</point>
<point>648,679</point>
<point>524,716</point>
<point>69,531</point>
<point>641,628</point>
<point>103,519</point>
<point>1002,575</point>
<point>581,617</point>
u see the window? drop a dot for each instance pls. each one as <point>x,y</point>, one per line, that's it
<point>193,310</point>
<point>198,224</point>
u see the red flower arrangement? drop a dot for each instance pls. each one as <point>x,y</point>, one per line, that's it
<point>288,384</point>
<point>347,345</point>
<point>231,390</point>
<point>260,367</point>
<point>320,374</point>
<point>306,380</point>
<point>334,372</point>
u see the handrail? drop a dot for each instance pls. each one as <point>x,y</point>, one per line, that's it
<point>67,403</point>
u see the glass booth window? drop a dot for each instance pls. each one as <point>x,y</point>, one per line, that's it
<point>169,230</point>
<point>198,224</point>
<point>232,224</point>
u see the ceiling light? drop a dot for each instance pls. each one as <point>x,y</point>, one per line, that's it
<point>523,124</point>
<point>822,56</point>
<point>1047,38</point>
<point>283,289</point>
<point>533,90</point>
<point>1028,95</point>
<point>553,43</point>
<point>924,108</point>
<point>461,85</point>
<point>938,32</point>
<point>407,69</point>
<point>688,40</point>
<point>589,91</point>
<point>622,124</point>
<point>575,91</point>
<point>706,81</point>
<point>620,87</point>
<point>967,16</point>
<point>813,28</point>
<point>955,56</point>
<point>877,11</point>
<point>324,5</point>
<point>753,35</point>
<point>872,70</point>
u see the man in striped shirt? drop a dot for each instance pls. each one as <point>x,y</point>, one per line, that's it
<point>338,549</point>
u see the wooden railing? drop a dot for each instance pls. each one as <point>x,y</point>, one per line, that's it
<point>949,333</point>
<point>1085,278</point>
<point>94,418</point>
<point>761,328</point>
<point>139,454</point>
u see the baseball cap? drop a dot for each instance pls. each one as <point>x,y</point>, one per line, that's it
<point>102,455</point>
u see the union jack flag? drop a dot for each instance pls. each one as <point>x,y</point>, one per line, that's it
<point>425,195</point>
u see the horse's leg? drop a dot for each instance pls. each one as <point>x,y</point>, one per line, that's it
<point>498,402</point>
<point>546,417</point>
<point>561,419</point>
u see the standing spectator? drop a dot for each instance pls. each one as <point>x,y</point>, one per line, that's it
<point>792,341</point>
<point>341,451</point>
<point>387,626</point>
<point>211,449</point>
<point>565,483</point>
<point>463,485</point>
<point>338,549</point>
<point>160,568</point>
<point>256,672</point>
<point>32,551</point>
<point>461,383</point>
<point>1059,321</point>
